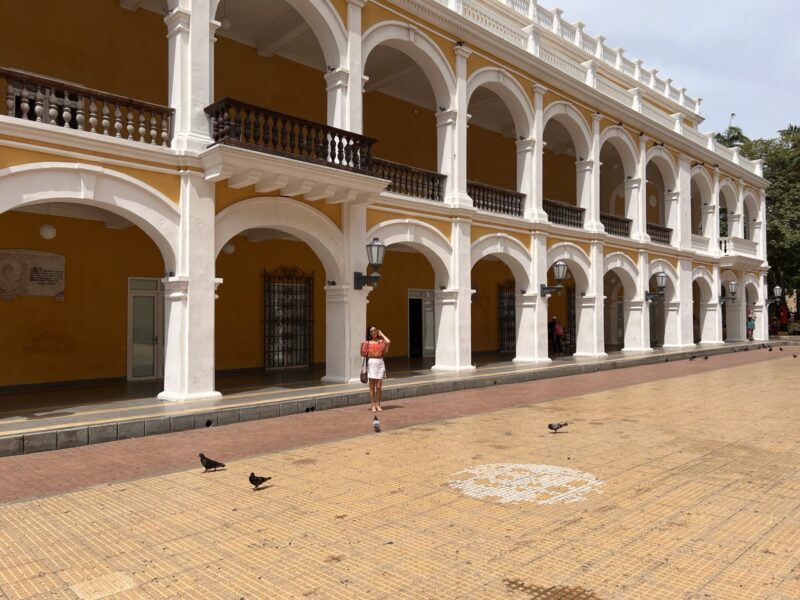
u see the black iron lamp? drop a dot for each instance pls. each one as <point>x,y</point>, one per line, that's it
<point>733,287</point>
<point>661,285</point>
<point>778,294</point>
<point>375,251</point>
<point>560,271</point>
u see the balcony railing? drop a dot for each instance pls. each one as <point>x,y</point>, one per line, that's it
<point>616,225</point>
<point>563,214</point>
<point>699,243</point>
<point>659,234</point>
<point>731,246</point>
<point>410,181</point>
<point>495,199</point>
<point>69,105</point>
<point>236,123</point>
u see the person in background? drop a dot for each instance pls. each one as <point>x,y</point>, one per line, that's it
<point>558,334</point>
<point>751,326</point>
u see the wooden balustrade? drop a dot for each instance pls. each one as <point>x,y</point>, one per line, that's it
<point>495,199</point>
<point>410,181</point>
<point>563,214</point>
<point>659,234</point>
<point>239,124</point>
<point>616,225</point>
<point>70,105</point>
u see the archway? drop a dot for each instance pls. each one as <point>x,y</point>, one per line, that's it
<point>733,308</point>
<point>704,307</point>
<point>84,252</point>
<point>277,258</point>
<point>664,322</point>
<point>702,208</point>
<point>727,209</point>
<point>622,309</point>
<point>566,174</point>
<point>617,168</point>
<point>754,306</point>
<point>661,215</point>
<point>569,305</point>
<point>750,217</point>
<point>500,282</point>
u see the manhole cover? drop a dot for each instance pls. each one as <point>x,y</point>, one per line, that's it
<point>542,484</point>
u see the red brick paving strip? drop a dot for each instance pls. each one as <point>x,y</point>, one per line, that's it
<point>44,474</point>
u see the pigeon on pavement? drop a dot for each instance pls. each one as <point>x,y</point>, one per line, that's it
<point>376,424</point>
<point>781,349</point>
<point>554,427</point>
<point>770,350</point>
<point>705,357</point>
<point>691,358</point>
<point>209,464</point>
<point>257,481</point>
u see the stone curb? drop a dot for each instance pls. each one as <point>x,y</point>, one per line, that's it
<point>71,437</point>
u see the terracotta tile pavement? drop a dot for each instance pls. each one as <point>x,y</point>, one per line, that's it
<point>698,497</point>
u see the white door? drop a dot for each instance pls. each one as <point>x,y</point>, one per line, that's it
<point>145,328</point>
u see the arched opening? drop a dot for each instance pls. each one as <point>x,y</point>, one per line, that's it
<point>566,306</point>
<point>286,48</point>
<point>661,209</point>
<point>750,218</point>
<point>727,208</point>
<point>617,165</point>
<point>621,313</point>
<point>663,311</point>
<point>754,310</point>
<point>494,318</point>
<point>701,204</point>
<point>84,301</point>
<point>704,308</point>
<point>733,309</point>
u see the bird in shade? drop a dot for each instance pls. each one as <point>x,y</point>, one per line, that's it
<point>209,463</point>
<point>376,424</point>
<point>691,358</point>
<point>781,349</point>
<point>705,357</point>
<point>770,350</point>
<point>554,427</point>
<point>257,481</point>
<point>794,355</point>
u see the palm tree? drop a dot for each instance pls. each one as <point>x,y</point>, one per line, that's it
<point>733,136</point>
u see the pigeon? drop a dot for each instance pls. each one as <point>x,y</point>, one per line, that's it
<point>692,358</point>
<point>770,350</point>
<point>554,427</point>
<point>257,481</point>
<point>376,424</point>
<point>209,464</point>
<point>794,355</point>
<point>781,349</point>
<point>705,357</point>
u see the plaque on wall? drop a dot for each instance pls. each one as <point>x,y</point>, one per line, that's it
<point>31,273</point>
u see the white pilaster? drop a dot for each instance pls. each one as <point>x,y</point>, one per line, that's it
<point>713,232</point>
<point>634,314</point>
<point>643,285</point>
<point>453,306</point>
<point>526,151</point>
<point>539,277</point>
<point>354,120</point>
<point>710,321</point>
<point>189,310</point>
<point>632,206</point>
<point>336,86</point>
<point>190,31</point>
<point>682,238</point>
<point>456,162</point>
<point>685,304</point>
<point>589,309</point>
<point>715,293</point>
<point>641,213</point>
<point>672,202</point>
<point>737,223</point>
<point>761,230</point>
<point>584,171</point>
<point>761,333</point>
<point>526,350</point>
<point>533,204</point>
<point>593,214</point>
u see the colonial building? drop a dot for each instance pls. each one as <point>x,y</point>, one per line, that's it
<point>188,186</point>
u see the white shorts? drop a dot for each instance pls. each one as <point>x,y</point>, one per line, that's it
<point>375,368</point>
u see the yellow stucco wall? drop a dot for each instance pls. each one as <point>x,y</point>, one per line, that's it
<point>406,133</point>
<point>487,275</point>
<point>491,158</point>
<point>560,179</point>
<point>84,337</point>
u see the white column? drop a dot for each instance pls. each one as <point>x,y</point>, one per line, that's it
<point>685,300</point>
<point>336,86</point>
<point>346,307</point>
<point>672,213</point>
<point>539,277</point>
<point>455,154</point>
<point>526,350</point>
<point>533,205</point>
<point>642,286</point>
<point>709,322</point>
<point>713,232</point>
<point>715,293</point>
<point>189,315</point>
<point>190,31</point>
<point>525,159</point>
<point>634,315</point>
<point>760,228</point>
<point>736,221</point>
<point>761,333</point>
<point>454,306</point>
<point>583,188</point>
<point>641,213</point>
<point>354,121</point>
<point>735,315</point>
<point>589,308</point>
<point>682,238</point>
<point>592,221</point>
<point>632,205</point>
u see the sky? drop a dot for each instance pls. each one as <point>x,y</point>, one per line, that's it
<point>740,56</point>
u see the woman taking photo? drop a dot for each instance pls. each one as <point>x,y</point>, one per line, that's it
<point>374,349</point>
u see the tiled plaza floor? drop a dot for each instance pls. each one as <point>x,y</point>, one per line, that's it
<point>681,483</point>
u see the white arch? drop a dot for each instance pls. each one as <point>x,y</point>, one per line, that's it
<point>705,283</point>
<point>328,28</point>
<point>426,239</point>
<point>729,202</point>
<point>666,165</point>
<point>704,183</point>
<point>577,261</point>
<point>751,281</point>
<point>510,92</point>
<point>418,47</point>
<point>625,268</point>
<point>508,249</point>
<point>573,121</point>
<point>290,216</point>
<point>126,196</point>
<point>622,143</point>
<point>658,265</point>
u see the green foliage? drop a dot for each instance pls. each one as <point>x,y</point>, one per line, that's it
<point>781,156</point>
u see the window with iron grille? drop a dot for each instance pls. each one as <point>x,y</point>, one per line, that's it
<point>289,318</point>
<point>570,329</point>
<point>507,314</point>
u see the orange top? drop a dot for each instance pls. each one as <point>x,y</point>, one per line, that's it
<point>373,349</point>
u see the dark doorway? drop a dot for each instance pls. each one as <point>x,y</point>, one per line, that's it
<point>289,318</point>
<point>415,327</point>
<point>507,317</point>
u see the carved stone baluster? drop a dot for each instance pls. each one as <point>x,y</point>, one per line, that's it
<point>24,103</point>
<point>66,111</point>
<point>79,116</point>
<point>142,128</point>
<point>165,117</point>
<point>92,115</point>
<point>153,128</point>
<point>106,118</point>
<point>52,112</point>
<point>39,108</point>
<point>118,121</point>
<point>11,100</point>
<point>129,126</point>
